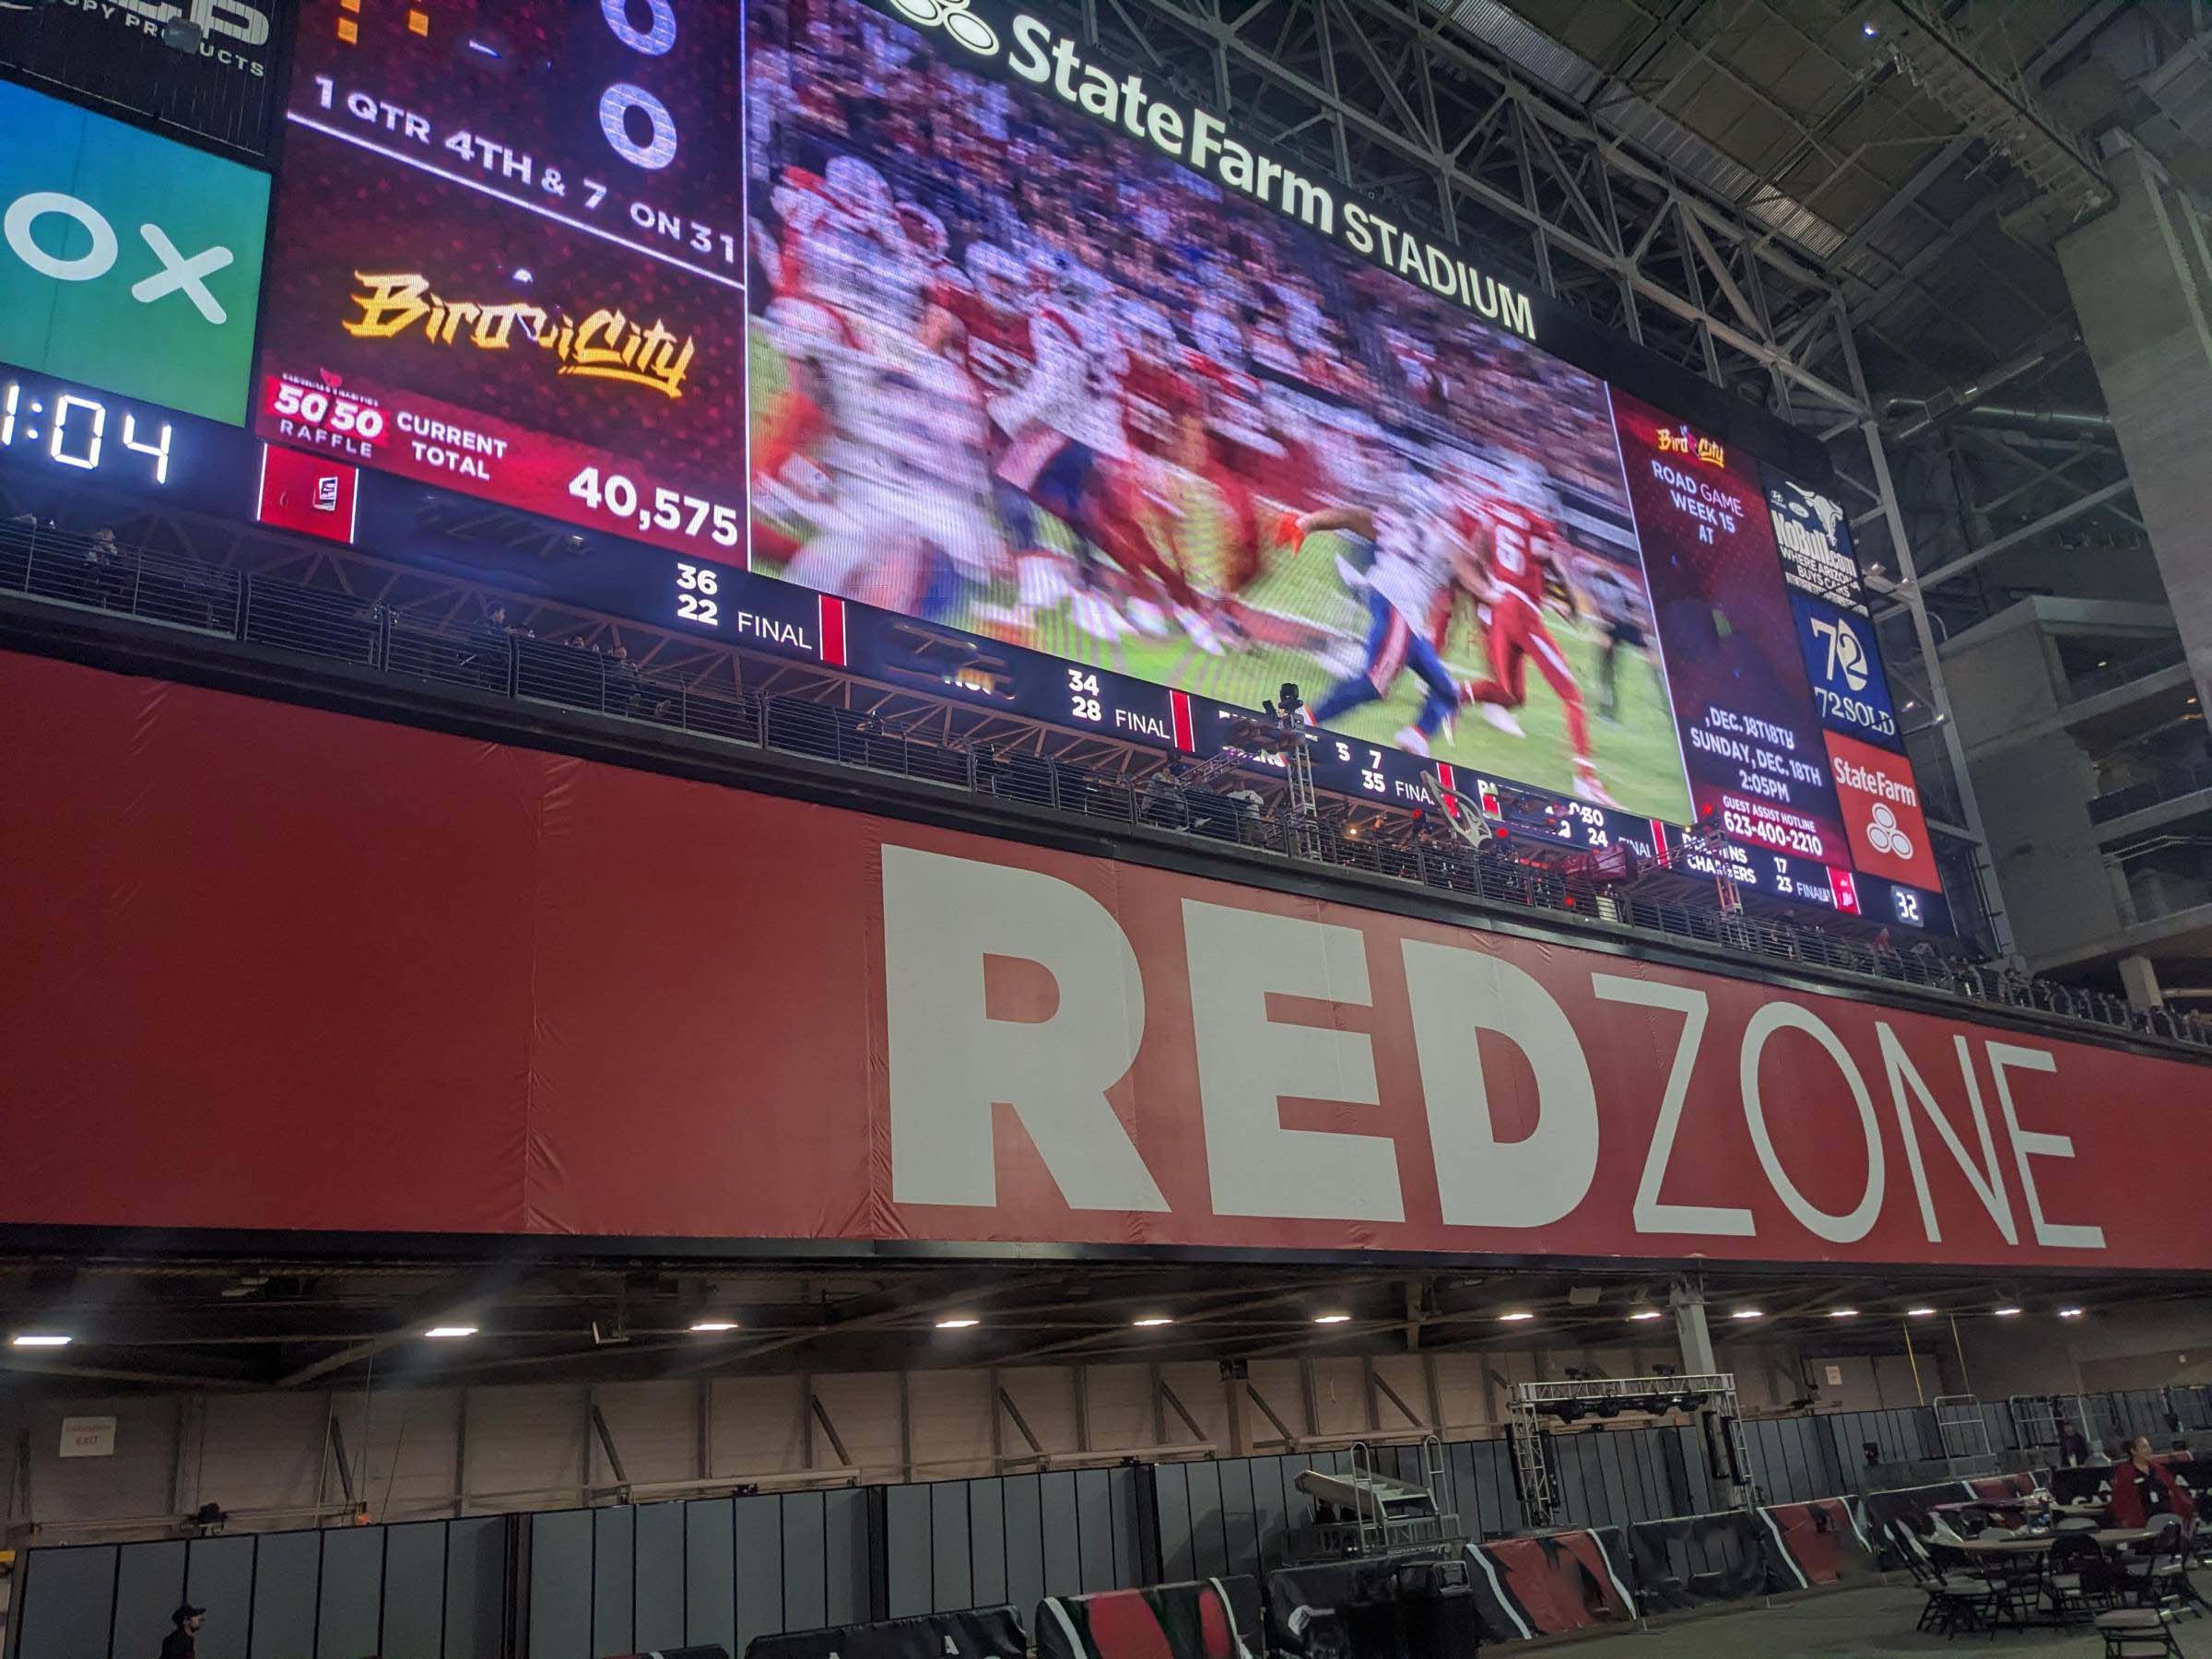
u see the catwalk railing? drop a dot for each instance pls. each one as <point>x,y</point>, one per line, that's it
<point>331,627</point>
<point>2169,785</point>
<point>2142,664</point>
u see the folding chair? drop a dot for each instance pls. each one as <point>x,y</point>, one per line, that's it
<point>1958,1597</point>
<point>2155,1573</point>
<point>2079,1577</point>
<point>2136,1633</point>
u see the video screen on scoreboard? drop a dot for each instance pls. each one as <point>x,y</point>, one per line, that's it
<point>509,257</point>
<point>1016,376</point>
<point>796,287</point>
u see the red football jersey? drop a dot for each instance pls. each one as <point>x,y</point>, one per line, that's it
<point>1157,404</point>
<point>999,351</point>
<point>1521,538</point>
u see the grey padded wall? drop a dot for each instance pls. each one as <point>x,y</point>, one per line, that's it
<point>64,1602</point>
<point>411,1618</point>
<point>662,1564</point>
<point>288,1573</point>
<point>719,1570</point>
<point>349,1618</point>
<point>560,1585</point>
<point>614,1581</point>
<point>426,1590</point>
<point>710,1609</point>
<point>219,1573</point>
<point>476,1586</point>
<point>757,1586</point>
<point>955,1544</point>
<point>150,1583</point>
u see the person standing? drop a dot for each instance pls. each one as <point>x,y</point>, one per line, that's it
<point>2073,1446</point>
<point>178,1642</point>
<point>2142,1488</point>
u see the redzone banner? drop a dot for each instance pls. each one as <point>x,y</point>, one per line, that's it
<point>277,968</point>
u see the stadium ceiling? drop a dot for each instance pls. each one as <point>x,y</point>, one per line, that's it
<point>1842,210</point>
<point>303,1322</point>
<point>1926,154</point>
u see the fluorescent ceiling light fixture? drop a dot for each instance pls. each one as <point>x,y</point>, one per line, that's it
<point>1647,1314</point>
<point>715,1324</point>
<point>2007,1313</point>
<point>1513,1318</point>
<point>1153,1319</point>
<point>1920,1313</point>
<point>958,1321</point>
<point>1746,1314</point>
<point>38,1339</point>
<point>1842,1312</point>
<point>450,1330</point>
<point>1330,1318</point>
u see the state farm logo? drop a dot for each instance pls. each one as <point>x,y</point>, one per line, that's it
<point>1873,781</point>
<point>174,271</point>
<point>1884,835</point>
<point>1882,809</point>
<point>954,17</point>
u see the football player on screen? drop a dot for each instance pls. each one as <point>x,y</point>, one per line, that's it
<point>1522,556</point>
<point>1064,436</point>
<point>1408,552</point>
<point>872,455</point>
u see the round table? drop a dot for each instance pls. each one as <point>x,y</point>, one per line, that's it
<point>2112,1537</point>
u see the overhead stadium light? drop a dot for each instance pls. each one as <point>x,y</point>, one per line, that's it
<point>710,1326</point>
<point>1842,1312</point>
<point>445,1332</point>
<point>1746,1314</point>
<point>2007,1313</point>
<point>958,1321</point>
<point>1152,1319</point>
<point>1920,1313</point>
<point>38,1339</point>
<point>1515,1318</point>
<point>1330,1318</point>
<point>1647,1314</point>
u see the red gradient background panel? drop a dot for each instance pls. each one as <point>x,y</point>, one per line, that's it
<point>268,967</point>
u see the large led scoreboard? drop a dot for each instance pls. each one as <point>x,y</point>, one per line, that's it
<point>899,337</point>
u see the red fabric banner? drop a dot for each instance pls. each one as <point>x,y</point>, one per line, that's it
<point>270,966</point>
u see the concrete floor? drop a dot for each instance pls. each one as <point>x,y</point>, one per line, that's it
<point>1874,1621</point>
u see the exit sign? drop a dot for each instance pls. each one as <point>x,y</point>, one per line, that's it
<point>88,1437</point>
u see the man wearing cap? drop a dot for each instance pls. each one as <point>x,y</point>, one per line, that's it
<point>178,1643</point>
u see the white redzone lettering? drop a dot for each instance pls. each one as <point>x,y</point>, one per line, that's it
<point>950,1062</point>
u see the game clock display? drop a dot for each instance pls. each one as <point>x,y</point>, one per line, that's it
<point>57,435</point>
<point>72,430</point>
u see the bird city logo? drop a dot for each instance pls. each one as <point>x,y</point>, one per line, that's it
<point>172,270</point>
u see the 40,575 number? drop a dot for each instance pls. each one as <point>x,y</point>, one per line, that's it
<point>618,496</point>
